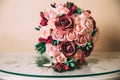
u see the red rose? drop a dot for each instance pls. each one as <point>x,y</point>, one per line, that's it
<point>67,48</point>
<point>64,23</point>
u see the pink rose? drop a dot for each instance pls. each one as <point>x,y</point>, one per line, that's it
<point>87,23</point>
<point>71,36</point>
<point>67,48</point>
<point>76,18</point>
<point>78,29</point>
<point>52,13</point>
<point>50,49</point>
<point>64,23</point>
<point>88,37</point>
<point>77,55</point>
<point>51,24</point>
<point>61,9</point>
<point>58,35</point>
<point>81,41</point>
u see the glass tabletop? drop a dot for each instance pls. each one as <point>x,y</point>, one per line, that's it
<point>24,64</point>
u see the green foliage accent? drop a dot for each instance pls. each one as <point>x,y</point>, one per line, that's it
<point>94,32</point>
<point>55,42</point>
<point>88,46</point>
<point>78,47</point>
<point>69,5</point>
<point>70,63</point>
<point>78,10</point>
<point>41,47</point>
<point>38,28</point>
<point>42,60</point>
<point>52,5</point>
<point>59,15</point>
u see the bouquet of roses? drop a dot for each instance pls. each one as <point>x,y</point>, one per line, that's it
<point>67,34</point>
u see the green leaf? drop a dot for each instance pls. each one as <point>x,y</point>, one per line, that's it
<point>69,5</point>
<point>87,48</point>
<point>52,5</point>
<point>78,10</point>
<point>89,43</point>
<point>55,42</point>
<point>78,47</point>
<point>41,47</point>
<point>71,60</point>
<point>72,65</point>
<point>38,28</point>
<point>94,32</point>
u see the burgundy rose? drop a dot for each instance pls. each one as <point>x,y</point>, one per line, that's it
<point>67,48</point>
<point>64,23</point>
<point>59,67</point>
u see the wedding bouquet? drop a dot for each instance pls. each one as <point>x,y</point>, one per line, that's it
<point>67,34</point>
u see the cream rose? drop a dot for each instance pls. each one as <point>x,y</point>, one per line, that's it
<point>59,57</point>
<point>45,32</point>
<point>71,36</point>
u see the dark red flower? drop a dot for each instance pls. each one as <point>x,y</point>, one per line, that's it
<point>48,40</point>
<point>42,39</point>
<point>59,67</point>
<point>42,15</point>
<point>67,48</point>
<point>43,22</point>
<point>64,23</point>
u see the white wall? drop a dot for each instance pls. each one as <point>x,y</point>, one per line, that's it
<point>19,17</point>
